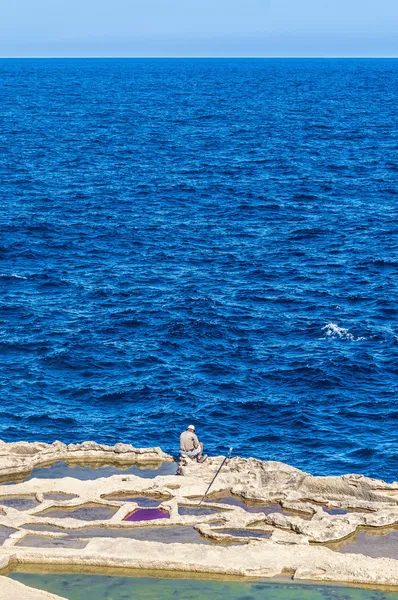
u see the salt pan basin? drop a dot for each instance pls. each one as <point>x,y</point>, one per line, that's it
<point>147,514</point>
<point>77,586</point>
<point>86,472</point>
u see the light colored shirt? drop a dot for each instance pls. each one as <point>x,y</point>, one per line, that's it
<point>188,441</point>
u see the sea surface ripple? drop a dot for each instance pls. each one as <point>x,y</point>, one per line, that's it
<point>211,241</point>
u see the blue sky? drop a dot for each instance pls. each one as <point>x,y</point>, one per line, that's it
<point>199,28</point>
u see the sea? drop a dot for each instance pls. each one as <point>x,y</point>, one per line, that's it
<point>206,241</point>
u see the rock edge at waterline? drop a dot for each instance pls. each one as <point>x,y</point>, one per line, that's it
<point>296,523</point>
<point>10,589</point>
<point>18,459</point>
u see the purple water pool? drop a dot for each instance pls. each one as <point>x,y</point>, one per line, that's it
<point>147,514</point>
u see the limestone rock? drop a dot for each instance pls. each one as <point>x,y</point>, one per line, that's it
<point>300,520</point>
<point>13,589</point>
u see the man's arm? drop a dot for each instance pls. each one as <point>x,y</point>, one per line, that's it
<point>195,441</point>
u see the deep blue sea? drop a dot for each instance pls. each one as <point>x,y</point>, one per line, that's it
<point>206,241</point>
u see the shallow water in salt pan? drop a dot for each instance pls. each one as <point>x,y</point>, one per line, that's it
<point>191,511</point>
<point>86,472</point>
<point>89,472</point>
<point>60,497</point>
<point>84,513</point>
<point>38,541</point>
<point>335,511</point>
<point>167,535</point>
<point>85,587</point>
<point>376,544</point>
<point>19,503</point>
<point>180,534</point>
<point>140,500</point>
<point>147,514</point>
<point>5,533</point>
<point>245,533</point>
<point>249,506</point>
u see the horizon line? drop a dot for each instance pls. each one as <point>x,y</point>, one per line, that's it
<point>200,57</point>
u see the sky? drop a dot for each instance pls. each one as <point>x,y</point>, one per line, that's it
<point>158,28</point>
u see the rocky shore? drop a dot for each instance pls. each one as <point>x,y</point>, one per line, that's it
<point>261,519</point>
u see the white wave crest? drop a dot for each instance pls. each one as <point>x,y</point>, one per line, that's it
<point>334,331</point>
<point>14,275</point>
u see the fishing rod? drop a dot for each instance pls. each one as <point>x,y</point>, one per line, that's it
<point>214,478</point>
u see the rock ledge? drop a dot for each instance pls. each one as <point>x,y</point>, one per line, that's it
<point>261,518</point>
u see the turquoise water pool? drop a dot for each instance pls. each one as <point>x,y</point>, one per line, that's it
<point>102,587</point>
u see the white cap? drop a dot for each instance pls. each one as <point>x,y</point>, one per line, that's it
<point>191,427</point>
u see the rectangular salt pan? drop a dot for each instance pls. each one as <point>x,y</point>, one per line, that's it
<point>147,514</point>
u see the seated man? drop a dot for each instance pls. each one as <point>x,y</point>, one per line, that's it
<point>190,445</point>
